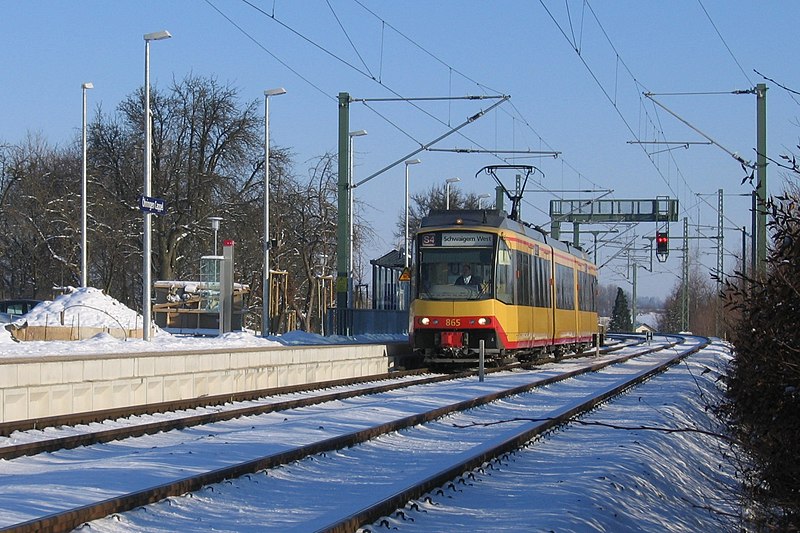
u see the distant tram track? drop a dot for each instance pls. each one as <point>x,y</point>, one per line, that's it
<point>67,520</point>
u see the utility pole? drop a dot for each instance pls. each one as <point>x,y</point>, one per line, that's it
<point>345,186</point>
<point>761,175</point>
<point>343,206</point>
<point>744,252</point>
<point>685,288</point>
<point>754,234</point>
<point>633,303</point>
<point>720,264</point>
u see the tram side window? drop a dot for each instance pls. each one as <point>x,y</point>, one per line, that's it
<point>587,284</point>
<point>505,270</point>
<point>522,281</point>
<point>541,282</point>
<point>565,287</point>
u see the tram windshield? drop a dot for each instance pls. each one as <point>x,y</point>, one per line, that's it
<point>455,274</point>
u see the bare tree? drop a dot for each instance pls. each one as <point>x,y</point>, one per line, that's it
<point>702,306</point>
<point>40,203</point>
<point>208,160</point>
<point>307,229</point>
<point>420,204</point>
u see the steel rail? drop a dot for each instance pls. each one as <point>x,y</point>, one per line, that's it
<point>151,428</point>
<point>70,519</point>
<point>560,416</point>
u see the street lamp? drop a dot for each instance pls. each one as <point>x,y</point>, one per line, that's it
<point>447,183</point>
<point>215,228</point>
<point>481,198</point>
<point>357,133</point>
<point>84,262</point>
<point>148,141</point>
<point>265,278</point>
<point>406,243</point>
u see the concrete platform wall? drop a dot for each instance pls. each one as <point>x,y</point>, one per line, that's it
<point>36,387</point>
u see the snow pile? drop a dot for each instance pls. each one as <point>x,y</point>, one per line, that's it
<point>90,307</point>
<point>86,307</point>
<point>103,343</point>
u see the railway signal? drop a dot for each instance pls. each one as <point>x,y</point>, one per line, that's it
<point>662,245</point>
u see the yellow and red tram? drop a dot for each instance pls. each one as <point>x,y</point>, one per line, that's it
<point>481,275</point>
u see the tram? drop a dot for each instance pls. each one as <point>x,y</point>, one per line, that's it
<point>483,275</point>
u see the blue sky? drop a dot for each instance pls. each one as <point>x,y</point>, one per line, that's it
<point>587,106</point>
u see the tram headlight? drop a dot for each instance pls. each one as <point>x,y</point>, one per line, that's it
<point>484,321</point>
<point>424,321</point>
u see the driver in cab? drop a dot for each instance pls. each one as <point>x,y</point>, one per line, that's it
<point>466,277</point>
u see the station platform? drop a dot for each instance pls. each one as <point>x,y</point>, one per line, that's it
<point>43,386</point>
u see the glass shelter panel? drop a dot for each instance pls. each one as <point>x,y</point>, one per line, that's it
<point>210,276</point>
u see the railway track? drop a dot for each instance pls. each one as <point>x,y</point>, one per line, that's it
<point>347,435</point>
<point>51,434</point>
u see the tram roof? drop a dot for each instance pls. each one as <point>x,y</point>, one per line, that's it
<point>493,218</point>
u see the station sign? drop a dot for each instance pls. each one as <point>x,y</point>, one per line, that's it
<point>156,206</point>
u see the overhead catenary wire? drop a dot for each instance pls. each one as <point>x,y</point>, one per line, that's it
<point>728,48</point>
<point>613,100</point>
<point>423,146</point>
<point>367,73</point>
<point>603,89</point>
<point>578,49</point>
<point>577,41</point>
<point>792,93</point>
<point>734,155</point>
<point>426,51</point>
<point>265,49</point>
<point>450,68</point>
<point>364,73</point>
<point>431,143</point>
<point>352,45</point>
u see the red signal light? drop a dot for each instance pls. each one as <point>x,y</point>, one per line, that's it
<point>662,243</point>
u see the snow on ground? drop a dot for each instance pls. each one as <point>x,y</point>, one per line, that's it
<point>90,307</point>
<point>586,478</point>
<point>654,459</point>
<point>649,460</point>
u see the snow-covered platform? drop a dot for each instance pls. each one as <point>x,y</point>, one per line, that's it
<point>41,378</point>
<point>49,385</point>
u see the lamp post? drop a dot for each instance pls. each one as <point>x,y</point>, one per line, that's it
<point>148,133</point>
<point>405,243</point>
<point>481,198</point>
<point>84,261</point>
<point>265,278</point>
<point>357,133</point>
<point>215,221</point>
<point>447,183</point>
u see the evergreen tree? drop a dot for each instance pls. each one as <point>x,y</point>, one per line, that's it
<point>621,315</point>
